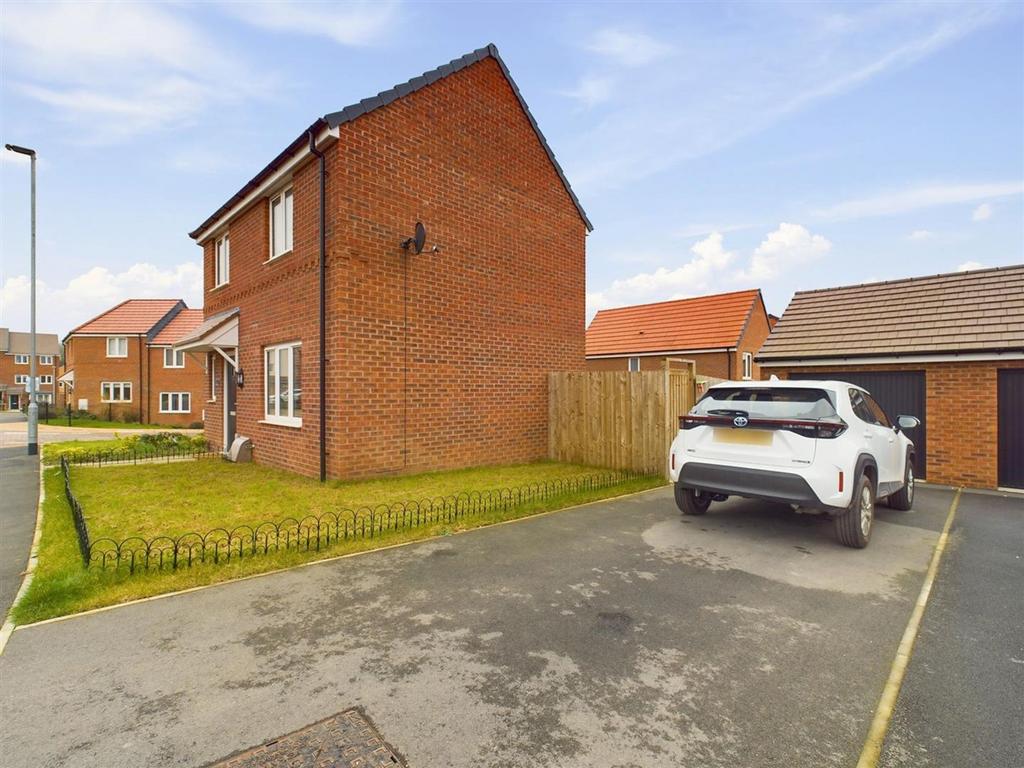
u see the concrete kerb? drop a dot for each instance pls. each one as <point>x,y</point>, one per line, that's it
<point>33,559</point>
<point>311,563</point>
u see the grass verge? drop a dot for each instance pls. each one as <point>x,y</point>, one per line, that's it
<point>57,421</point>
<point>62,585</point>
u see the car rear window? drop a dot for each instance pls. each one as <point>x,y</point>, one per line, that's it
<point>766,403</point>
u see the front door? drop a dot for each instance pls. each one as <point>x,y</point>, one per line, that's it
<point>230,385</point>
<point>15,402</point>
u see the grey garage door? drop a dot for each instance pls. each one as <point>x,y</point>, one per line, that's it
<point>1011,428</point>
<point>900,393</point>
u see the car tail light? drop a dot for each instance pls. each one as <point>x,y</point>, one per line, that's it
<point>689,422</point>
<point>831,429</point>
<point>813,428</point>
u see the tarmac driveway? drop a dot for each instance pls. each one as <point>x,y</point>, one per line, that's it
<point>617,634</point>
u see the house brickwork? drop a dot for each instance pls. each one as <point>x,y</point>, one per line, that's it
<point>13,385</point>
<point>437,360</point>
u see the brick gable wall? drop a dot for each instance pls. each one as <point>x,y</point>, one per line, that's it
<point>8,370</point>
<point>485,320</point>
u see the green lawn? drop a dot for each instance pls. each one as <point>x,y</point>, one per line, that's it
<point>171,499</point>
<point>58,421</point>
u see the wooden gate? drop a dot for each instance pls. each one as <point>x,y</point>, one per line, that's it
<point>617,418</point>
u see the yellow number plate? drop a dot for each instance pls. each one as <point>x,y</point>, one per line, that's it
<point>743,436</point>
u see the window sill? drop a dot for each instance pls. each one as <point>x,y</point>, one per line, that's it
<point>293,423</point>
<point>279,256</point>
<point>218,287</point>
<point>175,413</point>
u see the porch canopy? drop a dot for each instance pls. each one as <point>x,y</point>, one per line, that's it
<point>67,378</point>
<point>217,333</point>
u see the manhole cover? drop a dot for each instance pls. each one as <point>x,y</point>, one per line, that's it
<point>346,740</point>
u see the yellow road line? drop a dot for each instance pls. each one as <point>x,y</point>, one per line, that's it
<point>883,714</point>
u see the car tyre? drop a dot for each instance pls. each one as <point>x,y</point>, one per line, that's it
<point>903,499</point>
<point>854,526</point>
<point>692,502</point>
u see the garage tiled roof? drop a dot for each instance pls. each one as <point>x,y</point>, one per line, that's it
<point>182,324</point>
<point>130,317</point>
<point>705,322</point>
<point>978,311</point>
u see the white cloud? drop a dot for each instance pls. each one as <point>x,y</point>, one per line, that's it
<point>968,266</point>
<point>630,49</point>
<point>692,278</point>
<point>61,308</point>
<point>982,213</point>
<point>591,91</point>
<point>115,70</point>
<point>354,23</point>
<point>921,234</point>
<point>791,245</point>
<point>917,198</point>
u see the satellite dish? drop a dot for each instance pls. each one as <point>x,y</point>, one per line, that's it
<point>418,240</point>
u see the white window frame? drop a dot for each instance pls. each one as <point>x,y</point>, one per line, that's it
<point>117,338</point>
<point>211,366</point>
<point>46,359</point>
<point>287,420</point>
<point>43,397</point>
<point>22,359</point>
<point>46,378</point>
<point>21,378</point>
<point>107,391</point>
<point>287,198</point>
<point>634,365</point>
<point>174,357</point>
<point>179,399</point>
<point>222,269</point>
<point>748,366</point>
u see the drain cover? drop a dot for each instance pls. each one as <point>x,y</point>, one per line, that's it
<point>346,740</point>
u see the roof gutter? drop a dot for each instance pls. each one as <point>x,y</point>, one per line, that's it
<point>322,301</point>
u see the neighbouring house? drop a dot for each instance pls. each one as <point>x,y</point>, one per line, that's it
<point>720,333</point>
<point>948,349</point>
<point>120,365</point>
<point>341,351</point>
<point>15,365</point>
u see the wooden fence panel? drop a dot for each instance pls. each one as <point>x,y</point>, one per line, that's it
<point>617,419</point>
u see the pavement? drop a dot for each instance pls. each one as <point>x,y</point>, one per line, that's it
<point>19,495</point>
<point>614,634</point>
<point>962,700</point>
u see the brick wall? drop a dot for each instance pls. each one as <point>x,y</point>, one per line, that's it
<point>708,363</point>
<point>8,370</point>
<point>456,373</point>
<point>87,356</point>
<point>962,418</point>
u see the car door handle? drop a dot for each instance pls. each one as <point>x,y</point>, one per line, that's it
<point>868,435</point>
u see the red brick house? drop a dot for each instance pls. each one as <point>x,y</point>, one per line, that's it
<point>15,364</point>
<point>340,352</point>
<point>948,349</point>
<point>120,365</point>
<point>720,333</point>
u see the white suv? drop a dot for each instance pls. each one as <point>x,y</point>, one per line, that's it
<point>821,445</point>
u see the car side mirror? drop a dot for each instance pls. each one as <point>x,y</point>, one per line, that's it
<point>907,422</point>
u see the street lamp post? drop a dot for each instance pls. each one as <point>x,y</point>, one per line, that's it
<point>33,406</point>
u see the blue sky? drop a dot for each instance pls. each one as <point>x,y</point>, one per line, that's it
<point>714,146</point>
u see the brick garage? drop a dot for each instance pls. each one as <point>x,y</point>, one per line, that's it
<point>436,360</point>
<point>148,328</point>
<point>959,333</point>
<point>717,332</point>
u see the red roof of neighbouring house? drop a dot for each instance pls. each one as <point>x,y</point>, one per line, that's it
<point>704,322</point>
<point>180,326</point>
<point>130,317</point>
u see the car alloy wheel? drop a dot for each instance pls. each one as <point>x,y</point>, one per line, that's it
<point>910,485</point>
<point>867,510</point>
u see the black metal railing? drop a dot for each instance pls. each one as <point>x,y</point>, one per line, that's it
<point>133,456</point>
<point>81,529</point>
<point>318,532</point>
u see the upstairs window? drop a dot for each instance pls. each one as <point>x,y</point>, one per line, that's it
<point>21,359</point>
<point>280,223</point>
<point>221,261</point>
<point>46,359</point>
<point>748,365</point>
<point>21,378</point>
<point>634,364</point>
<point>174,359</point>
<point>117,346</point>
<point>47,379</point>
